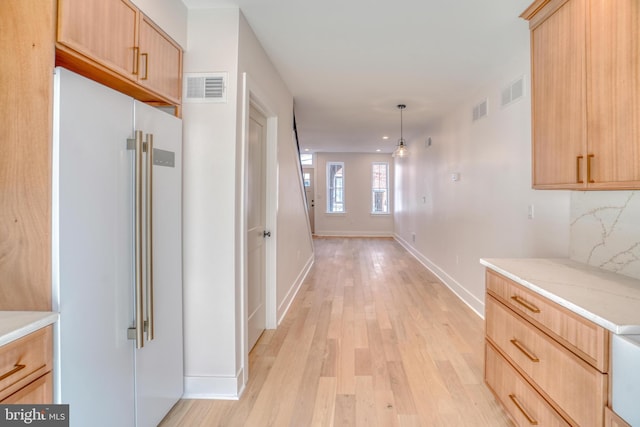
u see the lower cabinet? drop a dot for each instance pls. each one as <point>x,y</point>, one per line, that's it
<point>538,376</point>
<point>25,369</point>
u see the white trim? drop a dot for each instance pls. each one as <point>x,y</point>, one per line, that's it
<point>469,299</point>
<point>348,233</point>
<point>223,388</point>
<point>254,96</point>
<point>291,295</point>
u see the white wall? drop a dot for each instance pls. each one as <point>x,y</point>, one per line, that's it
<point>294,246</point>
<point>216,363</point>
<point>209,209</point>
<point>484,214</point>
<point>170,15</point>
<point>358,219</point>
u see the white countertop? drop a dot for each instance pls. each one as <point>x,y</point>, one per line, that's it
<point>17,324</point>
<point>607,299</point>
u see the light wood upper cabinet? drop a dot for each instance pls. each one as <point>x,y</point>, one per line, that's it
<point>585,57</point>
<point>112,42</point>
<point>160,61</point>
<point>104,30</point>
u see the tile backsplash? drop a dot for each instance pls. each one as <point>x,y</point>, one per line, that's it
<point>605,230</point>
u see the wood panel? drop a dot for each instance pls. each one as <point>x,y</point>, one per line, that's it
<point>585,338</point>
<point>371,339</point>
<point>613,79</point>
<point>574,388</point>
<point>27,46</point>
<point>559,99</point>
<point>161,61</point>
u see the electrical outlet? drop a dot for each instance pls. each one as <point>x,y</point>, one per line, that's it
<point>530,212</point>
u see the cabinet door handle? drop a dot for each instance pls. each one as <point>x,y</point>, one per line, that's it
<point>578,178</point>
<point>526,304</point>
<point>146,66</point>
<point>136,60</point>
<point>589,157</point>
<point>524,351</point>
<point>16,368</point>
<point>529,418</point>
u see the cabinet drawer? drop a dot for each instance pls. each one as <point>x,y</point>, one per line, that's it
<point>24,360</point>
<point>578,390</point>
<point>585,338</point>
<point>39,392</point>
<point>523,403</point>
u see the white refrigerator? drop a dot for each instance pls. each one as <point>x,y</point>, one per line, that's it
<point>117,256</point>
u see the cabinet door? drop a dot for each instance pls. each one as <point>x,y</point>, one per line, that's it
<point>104,31</point>
<point>160,61</point>
<point>558,85</point>
<point>614,93</point>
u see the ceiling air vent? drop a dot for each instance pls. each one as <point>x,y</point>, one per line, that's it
<point>513,92</point>
<point>205,87</point>
<point>480,110</point>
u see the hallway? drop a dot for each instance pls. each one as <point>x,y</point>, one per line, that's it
<point>372,339</point>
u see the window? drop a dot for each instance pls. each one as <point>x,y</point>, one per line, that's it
<point>335,187</point>
<point>307,179</point>
<point>380,188</point>
<point>306,159</point>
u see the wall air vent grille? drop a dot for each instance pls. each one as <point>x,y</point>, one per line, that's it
<point>205,88</point>
<point>480,110</point>
<point>513,92</point>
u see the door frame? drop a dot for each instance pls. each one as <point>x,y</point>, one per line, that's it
<point>254,97</point>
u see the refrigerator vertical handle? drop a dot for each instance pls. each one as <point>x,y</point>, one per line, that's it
<point>149,237</point>
<point>138,243</point>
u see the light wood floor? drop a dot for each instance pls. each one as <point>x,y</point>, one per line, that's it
<point>372,339</point>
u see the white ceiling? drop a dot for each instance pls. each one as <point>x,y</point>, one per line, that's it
<point>348,63</point>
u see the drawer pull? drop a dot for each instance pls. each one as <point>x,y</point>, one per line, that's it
<point>516,402</point>
<point>16,368</point>
<point>526,352</point>
<point>526,304</point>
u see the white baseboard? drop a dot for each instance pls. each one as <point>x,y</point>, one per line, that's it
<point>283,308</point>
<point>326,233</point>
<point>460,291</point>
<point>221,388</point>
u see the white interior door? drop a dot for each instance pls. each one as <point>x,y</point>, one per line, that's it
<point>256,227</point>
<point>307,175</point>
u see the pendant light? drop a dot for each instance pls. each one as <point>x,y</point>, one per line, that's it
<point>401,149</point>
